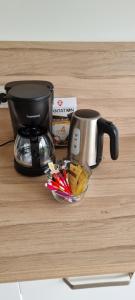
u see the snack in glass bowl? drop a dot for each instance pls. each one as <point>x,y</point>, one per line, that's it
<point>67,181</point>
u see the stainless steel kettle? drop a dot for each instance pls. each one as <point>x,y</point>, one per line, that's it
<point>86,137</point>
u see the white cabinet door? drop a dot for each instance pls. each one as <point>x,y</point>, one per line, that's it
<point>9,291</point>
<point>56,289</point>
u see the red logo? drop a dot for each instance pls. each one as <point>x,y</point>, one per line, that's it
<point>60,102</point>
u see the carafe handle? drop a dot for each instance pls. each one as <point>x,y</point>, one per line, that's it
<point>34,143</point>
<point>108,127</point>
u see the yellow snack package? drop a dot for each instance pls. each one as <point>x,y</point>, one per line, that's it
<point>82,182</point>
<point>78,178</point>
<point>74,173</point>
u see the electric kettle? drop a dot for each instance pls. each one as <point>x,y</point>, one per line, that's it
<point>86,137</point>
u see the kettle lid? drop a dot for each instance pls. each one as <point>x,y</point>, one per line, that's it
<point>87,114</point>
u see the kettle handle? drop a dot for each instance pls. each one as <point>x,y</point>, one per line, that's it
<point>108,127</point>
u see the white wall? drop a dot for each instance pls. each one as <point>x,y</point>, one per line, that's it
<point>67,20</point>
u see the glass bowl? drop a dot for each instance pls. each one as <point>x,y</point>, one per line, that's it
<point>72,199</point>
<point>58,195</point>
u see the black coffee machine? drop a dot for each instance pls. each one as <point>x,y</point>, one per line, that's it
<point>30,105</point>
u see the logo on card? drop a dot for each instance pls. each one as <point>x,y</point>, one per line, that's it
<point>60,102</point>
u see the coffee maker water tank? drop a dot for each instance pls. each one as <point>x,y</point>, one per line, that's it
<point>29,98</point>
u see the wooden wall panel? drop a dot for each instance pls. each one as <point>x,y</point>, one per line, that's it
<point>101,75</point>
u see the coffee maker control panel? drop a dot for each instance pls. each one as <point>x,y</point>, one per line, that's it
<point>75,148</point>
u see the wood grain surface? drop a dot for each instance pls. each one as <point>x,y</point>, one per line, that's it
<point>40,238</point>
